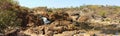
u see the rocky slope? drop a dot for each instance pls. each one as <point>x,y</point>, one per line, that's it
<point>86,21</point>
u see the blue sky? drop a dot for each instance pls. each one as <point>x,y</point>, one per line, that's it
<point>66,3</point>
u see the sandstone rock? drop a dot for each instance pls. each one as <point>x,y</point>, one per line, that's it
<point>75,17</point>
<point>61,23</point>
<point>40,10</point>
<point>34,31</point>
<point>12,33</point>
<point>59,16</point>
<point>71,27</point>
<point>100,34</point>
<point>55,29</point>
<point>49,33</point>
<point>82,34</point>
<point>22,34</point>
<point>83,18</point>
<point>66,33</point>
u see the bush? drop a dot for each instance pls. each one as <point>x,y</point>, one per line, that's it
<point>7,16</point>
<point>8,19</point>
<point>102,13</point>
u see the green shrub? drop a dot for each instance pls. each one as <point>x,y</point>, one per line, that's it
<point>102,13</point>
<point>8,19</point>
<point>7,16</point>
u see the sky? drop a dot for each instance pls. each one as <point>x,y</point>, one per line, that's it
<point>66,3</point>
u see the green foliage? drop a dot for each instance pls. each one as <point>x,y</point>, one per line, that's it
<point>8,19</point>
<point>49,12</point>
<point>102,13</point>
<point>8,1</point>
<point>82,6</point>
<point>93,6</point>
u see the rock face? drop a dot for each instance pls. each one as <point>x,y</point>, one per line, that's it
<point>63,24</point>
